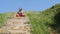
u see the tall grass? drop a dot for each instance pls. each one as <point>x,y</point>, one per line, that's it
<point>41,21</point>
<point>38,23</point>
<point>4,17</point>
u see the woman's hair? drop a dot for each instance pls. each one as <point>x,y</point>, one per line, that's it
<point>20,9</point>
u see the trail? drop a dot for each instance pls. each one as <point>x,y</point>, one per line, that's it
<point>16,25</point>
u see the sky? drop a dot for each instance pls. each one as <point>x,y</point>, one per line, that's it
<point>33,5</point>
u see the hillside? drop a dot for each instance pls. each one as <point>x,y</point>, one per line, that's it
<point>45,22</point>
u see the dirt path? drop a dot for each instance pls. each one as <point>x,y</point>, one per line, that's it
<point>16,26</point>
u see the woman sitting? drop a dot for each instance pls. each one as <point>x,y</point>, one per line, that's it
<point>20,13</point>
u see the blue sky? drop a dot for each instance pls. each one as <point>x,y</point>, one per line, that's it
<point>34,5</point>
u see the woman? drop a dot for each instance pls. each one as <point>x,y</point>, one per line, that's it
<point>20,13</point>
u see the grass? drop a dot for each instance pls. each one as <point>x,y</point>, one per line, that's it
<point>38,25</point>
<point>41,22</point>
<point>4,17</point>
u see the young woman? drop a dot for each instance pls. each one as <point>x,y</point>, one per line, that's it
<point>20,13</point>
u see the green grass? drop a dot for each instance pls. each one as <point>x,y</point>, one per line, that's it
<point>41,21</point>
<point>4,17</point>
<point>37,21</point>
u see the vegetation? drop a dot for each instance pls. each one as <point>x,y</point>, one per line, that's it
<point>42,22</point>
<point>3,18</point>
